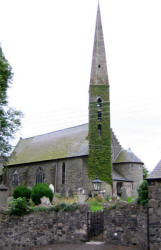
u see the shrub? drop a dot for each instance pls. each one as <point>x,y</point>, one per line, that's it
<point>40,190</point>
<point>19,207</point>
<point>143,193</point>
<point>22,191</point>
<point>130,199</point>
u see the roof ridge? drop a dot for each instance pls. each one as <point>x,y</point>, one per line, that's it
<point>53,131</point>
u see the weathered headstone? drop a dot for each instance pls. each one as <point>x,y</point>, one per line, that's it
<point>3,196</point>
<point>124,195</point>
<point>80,191</point>
<point>63,192</point>
<point>70,193</point>
<point>82,198</point>
<point>45,202</point>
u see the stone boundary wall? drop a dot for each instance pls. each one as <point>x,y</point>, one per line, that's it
<point>126,225</point>
<point>154,190</point>
<point>123,225</point>
<point>42,228</point>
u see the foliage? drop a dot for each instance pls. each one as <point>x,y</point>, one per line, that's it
<point>19,207</point>
<point>65,207</point>
<point>113,206</point>
<point>40,190</point>
<point>22,191</point>
<point>60,207</point>
<point>95,204</point>
<point>9,118</point>
<point>143,193</point>
<point>130,199</point>
<point>99,160</point>
<point>145,172</point>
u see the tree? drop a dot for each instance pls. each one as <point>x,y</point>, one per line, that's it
<point>9,117</point>
<point>143,193</point>
<point>145,172</point>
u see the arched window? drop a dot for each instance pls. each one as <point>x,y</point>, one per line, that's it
<point>99,129</point>
<point>39,176</point>
<point>99,102</point>
<point>63,173</point>
<point>15,178</point>
<point>99,116</point>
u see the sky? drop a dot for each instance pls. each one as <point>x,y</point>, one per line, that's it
<point>49,45</point>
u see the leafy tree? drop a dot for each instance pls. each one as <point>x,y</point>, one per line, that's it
<point>143,193</point>
<point>9,118</point>
<point>145,172</point>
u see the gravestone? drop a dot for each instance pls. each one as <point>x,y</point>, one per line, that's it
<point>45,202</point>
<point>82,198</point>
<point>63,192</point>
<point>124,195</point>
<point>70,193</point>
<point>3,196</point>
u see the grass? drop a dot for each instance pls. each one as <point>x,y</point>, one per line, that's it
<point>95,204</point>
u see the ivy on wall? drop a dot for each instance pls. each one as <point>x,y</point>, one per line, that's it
<point>99,160</point>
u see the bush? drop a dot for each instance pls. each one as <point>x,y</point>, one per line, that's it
<point>130,199</point>
<point>143,193</point>
<point>19,207</point>
<point>22,191</point>
<point>40,190</point>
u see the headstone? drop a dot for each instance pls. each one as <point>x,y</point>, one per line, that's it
<point>3,196</point>
<point>82,198</point>
<point>81,191</point>
<point>124,194</point>
<point>70,193</point>
<point>51,186</point>
<point>63,192</point>
<point>45,202</point>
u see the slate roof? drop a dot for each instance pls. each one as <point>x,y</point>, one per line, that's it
<point>127,156</point>
<point>156,173</point>
<point>118,177</point>
<point>70,142</point>
<point>66,143</point>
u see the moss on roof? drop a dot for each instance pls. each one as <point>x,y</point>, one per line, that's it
<point>127,156</point>
<point>70,142</point>
<point>55,145</point>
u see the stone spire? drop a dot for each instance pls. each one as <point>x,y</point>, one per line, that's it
<point>99,68</point>
<point>99,136</point>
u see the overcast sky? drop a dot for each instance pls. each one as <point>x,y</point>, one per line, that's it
<point>49,45</point>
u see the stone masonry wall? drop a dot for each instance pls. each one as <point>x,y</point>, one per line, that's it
<point>75,175</point>
<point>154,190</point>
<point>126,225</point>
<point>133,172</point>
<point>42,228</point>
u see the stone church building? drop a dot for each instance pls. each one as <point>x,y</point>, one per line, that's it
<point>71,158</point>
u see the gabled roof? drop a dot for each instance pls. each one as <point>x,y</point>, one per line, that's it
<point>70,142</point>
<point>127,156</point>
<point>156,173</point>
<point>66,143</point>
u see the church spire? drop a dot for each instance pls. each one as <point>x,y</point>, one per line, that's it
<point>99,68</point>
<point>99,136</point>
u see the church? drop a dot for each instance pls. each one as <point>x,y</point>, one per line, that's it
<point>71,158</point>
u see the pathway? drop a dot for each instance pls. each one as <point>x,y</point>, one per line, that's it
<point>83,246</point>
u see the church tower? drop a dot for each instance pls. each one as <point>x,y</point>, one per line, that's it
<point>99,161</point>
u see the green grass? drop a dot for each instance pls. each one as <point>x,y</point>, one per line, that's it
<point>95,206</point>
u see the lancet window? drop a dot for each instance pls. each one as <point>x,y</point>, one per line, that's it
<point>40,176</point>
<point>15,178</point>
